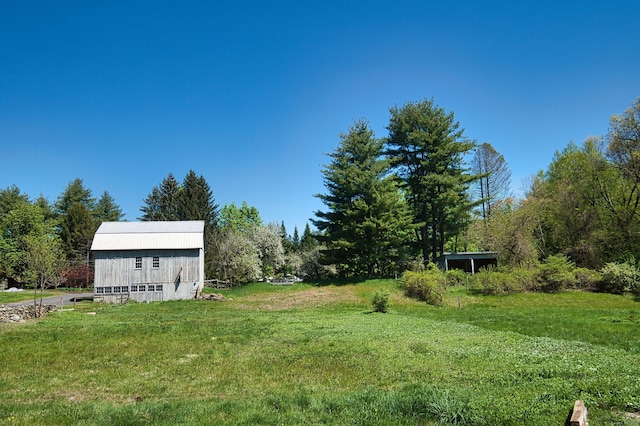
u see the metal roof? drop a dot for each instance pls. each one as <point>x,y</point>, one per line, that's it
<point>149,235</point>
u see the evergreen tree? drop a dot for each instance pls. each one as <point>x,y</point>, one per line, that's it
<point>75,192</point>
<point>367,218</point>
<point>107,210</point>
<point>75,208</point>
<point>308,241</point>
<point>164,201</point>
<point>196,201</point>
<point>295,240</point>
<point>426,147</point>
<point>77,228</point>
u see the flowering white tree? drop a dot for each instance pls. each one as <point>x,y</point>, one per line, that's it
<point>268,242</point>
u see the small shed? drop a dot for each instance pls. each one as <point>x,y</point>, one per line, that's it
<point>470,262</point>
<point>148,261</point>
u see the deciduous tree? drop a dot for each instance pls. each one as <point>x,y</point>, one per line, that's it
<point>493,184</point>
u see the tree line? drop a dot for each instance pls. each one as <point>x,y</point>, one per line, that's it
<point>48,244</point>
<point>399,202</point>
<point>391,204</point>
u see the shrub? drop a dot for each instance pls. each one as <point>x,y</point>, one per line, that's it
<point>455,277</point>
<point>556,274</point>
<point>79,276</point>
<point>427,285</point>
<point>492,281</point>
<point>586,279</point>
<point>380,301</point>
<point>619,277</point>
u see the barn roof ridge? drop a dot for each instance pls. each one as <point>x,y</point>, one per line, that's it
<point>149,235</point>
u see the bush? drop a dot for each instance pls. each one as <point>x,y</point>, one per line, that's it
<point>380,301</point>
<point>78,276</point>
<point>456,277</point>
<point>619,277</point>
<point>586,279</point>
<point>427,286</point>
<point>492,281</point>
<point>556,274</point>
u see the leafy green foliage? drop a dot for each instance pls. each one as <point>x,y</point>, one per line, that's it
<point>380,301</point>
<point>556,274</point>
<point>456,277</point>
<point>492,281</point>
<point>620,277</point>
<point>426,285</point>
<point>240,219</point>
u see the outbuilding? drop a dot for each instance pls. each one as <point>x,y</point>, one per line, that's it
<point>148,261</point>
<point>467,261</point>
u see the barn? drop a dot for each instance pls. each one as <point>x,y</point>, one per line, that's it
<point>148,261</point>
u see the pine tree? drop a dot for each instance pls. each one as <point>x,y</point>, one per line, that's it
<point>426,147</point>
<point>367,219</point>
<point>75,192</point>
<point>106,209</point>
<point>163,202</point>
<point>196,201</point>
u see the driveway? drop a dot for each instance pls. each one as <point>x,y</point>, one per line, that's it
<point>60,300</point>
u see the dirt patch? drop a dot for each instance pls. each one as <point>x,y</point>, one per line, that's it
<point>311,298</point>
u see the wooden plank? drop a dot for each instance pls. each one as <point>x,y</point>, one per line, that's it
<point>579,414</point>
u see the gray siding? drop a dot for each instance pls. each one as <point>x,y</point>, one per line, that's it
<point>118,269</point>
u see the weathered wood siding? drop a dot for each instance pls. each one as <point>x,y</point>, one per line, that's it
<point>118,268</point>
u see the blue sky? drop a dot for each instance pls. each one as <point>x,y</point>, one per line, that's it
<point>252,95</point>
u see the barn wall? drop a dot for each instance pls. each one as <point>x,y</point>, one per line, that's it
<point>118,269</point>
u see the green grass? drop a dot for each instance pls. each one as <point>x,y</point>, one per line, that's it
<point>19,296</point>
<point>316,354</point>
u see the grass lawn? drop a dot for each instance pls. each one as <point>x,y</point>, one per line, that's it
<point>315,354</point>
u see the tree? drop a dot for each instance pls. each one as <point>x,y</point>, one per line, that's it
<point>241,219</point>
<point>494,176</point>
<point>308,240</point>
<point>235,257</point>
<point>44,260</point>
<point>25,222</point>
<point>107,210</point>
<point>511,232</point>
<point>367,219</point>
<point>9,198</point>
<point>163,203</point>
<point>426,147</point>
<point>196,201</point>
<point>77,228</point>
<point>268,242</point>
<point>75,192</point>
<point>624,141</point>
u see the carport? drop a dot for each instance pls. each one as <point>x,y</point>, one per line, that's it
<point>467,261</point>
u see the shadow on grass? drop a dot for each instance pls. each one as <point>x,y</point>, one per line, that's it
<point>336,281</point>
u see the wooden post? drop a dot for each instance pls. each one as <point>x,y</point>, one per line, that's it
<point>579,414</point>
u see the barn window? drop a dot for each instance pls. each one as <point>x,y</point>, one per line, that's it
<point>116,289</point>
<point>156,262</point>
<point>141,288</point>
<point>138,262</point>
<point>134,288</point>
<point>107,290</point>
<point>159,287</point>
<point>150,287</point>
<point>99,290</point>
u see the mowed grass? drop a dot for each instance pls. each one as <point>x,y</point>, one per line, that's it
<point>316,354</point>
